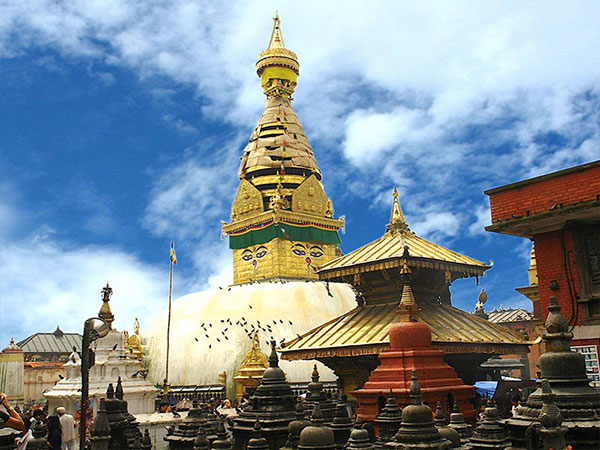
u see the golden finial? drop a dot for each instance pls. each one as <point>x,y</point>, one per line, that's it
<point>397,218</point>
<point>277,66</point>
<point>276,36</point>
<point>408,308</point>
<point>397,215</point>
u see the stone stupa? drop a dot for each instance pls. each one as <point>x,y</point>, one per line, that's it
<point>273,402</point>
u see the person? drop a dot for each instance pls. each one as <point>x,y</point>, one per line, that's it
<point>21,443</point>
<point>37,416</point>
<point>68,435</point>
<point>10,418</point>
<point>164,407</point>
<point>515,402</point>
<point>54,432</point>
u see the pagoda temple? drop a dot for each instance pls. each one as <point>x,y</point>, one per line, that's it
<point>282,222</point>
<point>350,343</point>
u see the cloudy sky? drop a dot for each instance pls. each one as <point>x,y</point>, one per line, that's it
<point>122,125</point>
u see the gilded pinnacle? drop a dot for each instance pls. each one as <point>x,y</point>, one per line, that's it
<point>397,222</point>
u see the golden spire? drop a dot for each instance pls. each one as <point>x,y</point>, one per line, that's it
<point>397,222</point>
<point>408,308</point>
<point>276,36</point>
<point>277,66</point>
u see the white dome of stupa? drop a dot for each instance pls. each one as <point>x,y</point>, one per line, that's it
<point>210,329</point>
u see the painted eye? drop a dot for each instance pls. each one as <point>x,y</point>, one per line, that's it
<point>316,252</point>
<point>261,253</point>
<point>246,256</point>
<point>299,251</point>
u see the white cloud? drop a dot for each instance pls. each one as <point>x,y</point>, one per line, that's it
<point>179,124</point>
<point>47,282</point>
<point>436,224</point>
<point>482,219</point>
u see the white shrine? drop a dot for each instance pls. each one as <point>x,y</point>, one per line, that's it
<point>116,355</point>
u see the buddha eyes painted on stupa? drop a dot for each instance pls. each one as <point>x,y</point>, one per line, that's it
<point>303,250</point>
<point>255,253</point>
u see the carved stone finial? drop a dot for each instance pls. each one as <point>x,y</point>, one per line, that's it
<point>119,389</point>
<point>315,374</point>
<point>273,358</point>
<point>415,389</point>
<point>110,391</point>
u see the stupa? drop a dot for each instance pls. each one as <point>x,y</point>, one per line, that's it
<point>417,430</point>
<point>113,360</point>
<point>251,370</point>
<point>316,395</point>
<point>273,403</point>
<point>565,372</point>
<point>282,230</point>
<point>410,350</point>
<point>388,420</point>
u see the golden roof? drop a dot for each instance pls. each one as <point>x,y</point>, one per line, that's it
<point>396,247</point>
<point>364,331</point>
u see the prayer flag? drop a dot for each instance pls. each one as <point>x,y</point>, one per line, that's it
<point>327,288</point>
<point>172,255</point>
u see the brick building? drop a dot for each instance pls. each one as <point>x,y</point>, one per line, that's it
<point>560,213</point>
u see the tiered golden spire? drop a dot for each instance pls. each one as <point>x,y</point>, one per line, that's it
<point>408,308</point>
<point>276,40</point>
<point>280,189</point>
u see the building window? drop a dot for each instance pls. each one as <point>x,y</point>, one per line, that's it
<point>588,267</point>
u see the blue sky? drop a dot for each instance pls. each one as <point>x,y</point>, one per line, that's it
<point>122,125</point>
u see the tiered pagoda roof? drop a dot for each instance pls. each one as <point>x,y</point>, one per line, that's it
<point>374,270</point>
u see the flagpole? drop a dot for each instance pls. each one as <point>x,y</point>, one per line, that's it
<point>169,322</point>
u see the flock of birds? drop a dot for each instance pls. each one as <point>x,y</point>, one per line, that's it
<point>249,328</point>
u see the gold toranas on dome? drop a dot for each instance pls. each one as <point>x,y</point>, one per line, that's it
<point>282,222</point>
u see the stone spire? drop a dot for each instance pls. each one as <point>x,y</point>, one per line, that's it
<point>222,442</point>
<point>440,423</point>
<point>257,442</point>
<point>417,429</point>
<point>105,313</point>
<point>274,402</point>
<point>489,434</point>
<point>341,425</point>
<point>316,395</point>
<point>389,420</point>
<point>553,434</point>
<point>316,436</point>
<point>295,427</point>
<point>565,372</point>
<point>280,197</point>
<point>100,429</point>
<point>457,421</point>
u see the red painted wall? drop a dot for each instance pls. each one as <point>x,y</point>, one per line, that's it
<point>568,189</point>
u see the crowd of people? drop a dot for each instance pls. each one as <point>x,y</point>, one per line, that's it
<point>60,427</point>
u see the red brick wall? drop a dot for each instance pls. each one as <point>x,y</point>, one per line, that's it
<point>549,260</point>
<point>568,189</point>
